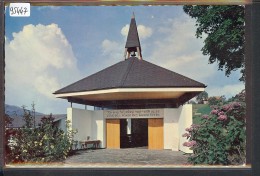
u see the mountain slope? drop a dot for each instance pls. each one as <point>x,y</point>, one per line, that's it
<point>12,110</point>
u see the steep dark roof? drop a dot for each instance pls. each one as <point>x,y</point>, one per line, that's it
<point>132,38</point>
<point>131,73</point>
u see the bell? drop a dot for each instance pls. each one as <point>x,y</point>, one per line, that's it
<point>133,54</point>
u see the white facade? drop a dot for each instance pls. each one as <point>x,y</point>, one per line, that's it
<point>93,124</point>
<point>176,120</point>
<point>87,123</point>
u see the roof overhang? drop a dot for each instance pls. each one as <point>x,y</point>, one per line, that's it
<point>131,94</point>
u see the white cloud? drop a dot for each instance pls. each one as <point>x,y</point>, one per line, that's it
<point>178,49</point>
<point>109,46</point>
<point>39,61</point>
<point>113,51</point>
<point>143,31</point>
<point>227,90</point>
<point>191,65</point>
<point>124,30</point>
<point>46,84</point>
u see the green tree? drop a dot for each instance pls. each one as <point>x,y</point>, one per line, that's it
<point>28,116</point>
<point>217,100</point>
<point>202,96</point>
<point>224,27</point>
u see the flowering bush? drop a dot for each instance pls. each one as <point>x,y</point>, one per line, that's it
<point>220,138</point>
<point>45,143</point>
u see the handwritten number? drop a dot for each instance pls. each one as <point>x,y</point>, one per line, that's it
<point>25,10</point>
<point>18,10</point>
<point>12,10</point>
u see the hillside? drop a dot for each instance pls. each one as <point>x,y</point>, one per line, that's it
<point>198,110</point>
<point>12,110</point>
<point>16,113</point>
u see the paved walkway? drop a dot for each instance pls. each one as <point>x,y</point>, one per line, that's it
<point>120,158</point>
<point>127,157</point>
<point>117,158</point>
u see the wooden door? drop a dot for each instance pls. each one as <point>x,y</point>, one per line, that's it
<point>113,133</point>
<point>155,134</point>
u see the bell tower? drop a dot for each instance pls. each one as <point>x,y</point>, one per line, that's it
<point>133,43</point>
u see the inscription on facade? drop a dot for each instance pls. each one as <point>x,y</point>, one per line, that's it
<point>133,113</point>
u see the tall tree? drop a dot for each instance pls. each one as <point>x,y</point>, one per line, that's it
<point>224,27</point>
<point>201,97</point>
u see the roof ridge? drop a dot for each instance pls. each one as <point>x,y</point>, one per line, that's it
<point>127,72</point>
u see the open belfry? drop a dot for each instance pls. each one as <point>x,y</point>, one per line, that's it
<point>133,43</point>
<point>137,103</point>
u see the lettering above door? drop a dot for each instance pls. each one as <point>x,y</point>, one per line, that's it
<point>133,113</point>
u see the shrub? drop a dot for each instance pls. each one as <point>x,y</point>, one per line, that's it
<point>217,100</point>
<point>220,138</point>
<point>45,143</point>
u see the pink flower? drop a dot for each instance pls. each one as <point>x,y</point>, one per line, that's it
<point>205,116</point>
<point>236,105</point>
<point>185,144</point>
<point>221,113</point>
<point>186,135</point>
<point>194,126</point>
<point>214,111</point>
<point>189,129</point>
<point>222,117</point>
<point>226,107</point>
<point>190,143</point>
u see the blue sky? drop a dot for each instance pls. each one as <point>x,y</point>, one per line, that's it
<point>57,46</point>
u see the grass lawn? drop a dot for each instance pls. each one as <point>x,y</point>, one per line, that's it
<point>198,110</point>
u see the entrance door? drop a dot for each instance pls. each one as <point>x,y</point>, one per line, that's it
<point>155,134</point>
<point>113,133</point>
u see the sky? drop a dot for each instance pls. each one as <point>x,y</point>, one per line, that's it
<point>57,46</point>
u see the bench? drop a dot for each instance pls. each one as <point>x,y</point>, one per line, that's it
<point>95,143</point>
